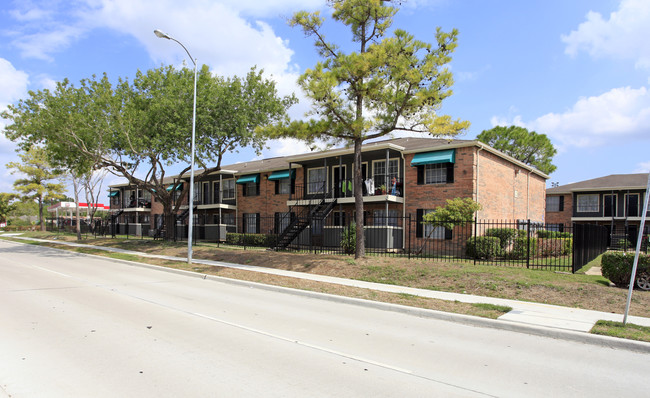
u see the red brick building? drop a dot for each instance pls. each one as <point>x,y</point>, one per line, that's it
<point>402,177</point>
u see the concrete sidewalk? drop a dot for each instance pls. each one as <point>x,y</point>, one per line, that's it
<point>551,318</point>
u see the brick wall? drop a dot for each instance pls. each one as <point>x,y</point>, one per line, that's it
<point>561,217</point>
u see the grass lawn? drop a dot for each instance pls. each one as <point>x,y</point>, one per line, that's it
<point>559,288</point>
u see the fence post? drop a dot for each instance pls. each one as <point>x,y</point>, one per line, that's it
<point>475,236</point>
<point>528,244</point>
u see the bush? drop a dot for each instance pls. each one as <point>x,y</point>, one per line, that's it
<point>505,235</point>
<point>260,240</point>
<point>483,247</point>
<point>553,234</point>
<point>617,266</point>
<point>349,239</point>
<point>520,248</point>
<point>554,247</point>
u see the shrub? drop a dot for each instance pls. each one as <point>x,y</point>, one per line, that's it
<point>617,266</point>
<point>520,248</point>
<point>261,240</point>
<point>349,239</point>
<point>505,235</point>
<point>554,247</point>
<point>553,234</point>
<point>483,247</point>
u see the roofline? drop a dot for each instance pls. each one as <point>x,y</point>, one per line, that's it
<point>344,151</point>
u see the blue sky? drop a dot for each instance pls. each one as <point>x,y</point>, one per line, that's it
<point>577,71</point>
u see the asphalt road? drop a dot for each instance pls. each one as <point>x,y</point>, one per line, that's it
<point>83,326</point>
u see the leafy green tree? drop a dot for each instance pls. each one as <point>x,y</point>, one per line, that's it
<point>7,205</point>
<point>137,129</point>
<point>390,83</point>
<point>457,211</point>
<point>534,149</point>
<point>37,172</point>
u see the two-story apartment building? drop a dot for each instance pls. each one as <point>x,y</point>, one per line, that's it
<point>614,201</point>
<point>401,177</point>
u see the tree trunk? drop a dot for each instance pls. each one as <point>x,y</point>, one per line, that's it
<point>40,214</point>
<point>360,250</point>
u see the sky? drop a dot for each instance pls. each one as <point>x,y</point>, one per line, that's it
<point>577,71</point>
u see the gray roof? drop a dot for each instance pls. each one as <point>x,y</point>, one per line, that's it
<point>610,182</point>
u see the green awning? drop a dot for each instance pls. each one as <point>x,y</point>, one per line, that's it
<point>179,187</point>
<point>282,174</point>
<point>113,194</point>
<point>446,156</point>
<point>249,178</point>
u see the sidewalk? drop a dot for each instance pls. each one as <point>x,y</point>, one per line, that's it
<point>549,320</point>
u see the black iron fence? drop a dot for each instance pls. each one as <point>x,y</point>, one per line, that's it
<point>519,243</point>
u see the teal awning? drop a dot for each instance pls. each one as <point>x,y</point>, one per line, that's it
<point>179,187</point>
<point>446,156</point>
<point>282,174</point>
<point>113,194</point>
<point>249,178</point>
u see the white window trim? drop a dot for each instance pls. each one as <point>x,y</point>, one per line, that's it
<point>309,191</point>
<point>638,202</point>
<point>223,191</point>
<point>387,168</point>
<point>584,195</point>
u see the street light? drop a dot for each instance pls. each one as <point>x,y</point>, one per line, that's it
<point>163,35</point>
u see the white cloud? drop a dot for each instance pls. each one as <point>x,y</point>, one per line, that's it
<point>285,147</point>
<point>624,35</point>
<point>619,114</point>
<point>13,83</point>
<point>643,167</point>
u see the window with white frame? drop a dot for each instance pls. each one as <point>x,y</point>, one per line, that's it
<point>587,203</point>
<point>432,231</point>
<point>316,180</point>
<point>228,189</point>
<point>381,176</point>
<point>435,173</point>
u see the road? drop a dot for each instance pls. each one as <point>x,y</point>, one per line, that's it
<point>73,325</point>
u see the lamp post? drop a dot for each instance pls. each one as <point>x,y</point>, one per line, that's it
<point>163,35</point>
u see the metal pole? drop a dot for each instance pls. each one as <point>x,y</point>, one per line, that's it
<point>191,199</point>
<point>638,249</point>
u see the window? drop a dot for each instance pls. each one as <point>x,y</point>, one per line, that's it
<point>282,221</point>
<point>609,206</point>
<point>228,190</point>
<point>381,176</point>
<point>430,231</point>
<point>435,173</point>
<point>554,203</point>
<point>632,205</point>
<point>283,186</point>
<point>251,223</point>
<point>587,203</point>
<point>228,218</point>
<point>251,189</point>
<point>316,180</point>
<point>380,218</point>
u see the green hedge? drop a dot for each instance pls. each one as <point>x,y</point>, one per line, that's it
<point>483,247</point>
<point>554,247</point>
<point>261,240</point>
<point>554,234</point>
<point>520,248</point>
<point>505,235</point>
<point>617,266</point>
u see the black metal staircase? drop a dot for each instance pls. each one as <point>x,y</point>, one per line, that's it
<point>303,219</point>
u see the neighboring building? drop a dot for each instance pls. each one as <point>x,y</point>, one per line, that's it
<point>402,177</point>
<point>614,201</point>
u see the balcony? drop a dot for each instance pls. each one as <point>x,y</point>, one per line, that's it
<point>373,190</point>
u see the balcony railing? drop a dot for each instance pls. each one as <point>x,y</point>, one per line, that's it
<point>345,189</point>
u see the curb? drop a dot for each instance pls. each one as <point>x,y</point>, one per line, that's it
<point>562,334</point>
